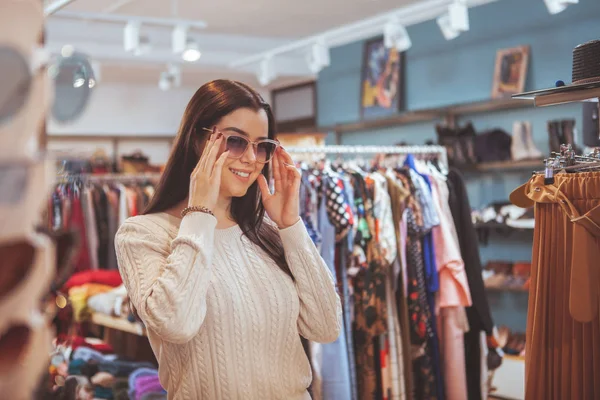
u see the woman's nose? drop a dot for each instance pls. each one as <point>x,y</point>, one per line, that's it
<point>250,154</point>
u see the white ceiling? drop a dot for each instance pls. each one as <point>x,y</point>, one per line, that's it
<point>235,29</point>
<point>269,18</point>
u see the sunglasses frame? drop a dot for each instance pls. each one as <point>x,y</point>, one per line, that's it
<point>254,144</point>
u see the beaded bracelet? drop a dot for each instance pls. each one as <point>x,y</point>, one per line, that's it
<point>201,209</point>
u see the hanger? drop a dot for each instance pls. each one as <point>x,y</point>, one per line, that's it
<point>567,161</point>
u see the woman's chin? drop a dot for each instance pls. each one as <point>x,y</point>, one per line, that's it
<point>237,191</point>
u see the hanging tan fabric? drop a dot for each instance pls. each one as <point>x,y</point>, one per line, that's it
<point>563,322</point>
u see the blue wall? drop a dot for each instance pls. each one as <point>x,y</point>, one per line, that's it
<point>440,72</point>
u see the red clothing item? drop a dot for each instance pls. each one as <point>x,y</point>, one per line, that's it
<point>79,341</point>
<point>105,277</point>
<point>77,223</point>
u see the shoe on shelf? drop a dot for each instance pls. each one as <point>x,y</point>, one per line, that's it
<point>500,272</point>
<point>525,221</point>
<point>520,273</point>
<point>518,146</point>
<point>554,136</point>
<point>532,151</point>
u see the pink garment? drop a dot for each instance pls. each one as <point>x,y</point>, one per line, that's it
<point>452,325</point>
<point>454,287</point>
<point>403,237</point>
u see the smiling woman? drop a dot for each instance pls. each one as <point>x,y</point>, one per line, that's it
<point>224,290</point>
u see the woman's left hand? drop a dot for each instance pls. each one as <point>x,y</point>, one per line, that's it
<point>282,206</point>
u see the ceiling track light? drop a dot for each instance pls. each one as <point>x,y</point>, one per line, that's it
<point>192,51</point>
<point>131,36</point>
<point>455,21</point>
<point>183,45</point>
<point>144,46</point>
<point>179,39</point>
<point>318,56</point>
<point>446,28</point>
<point>458,12</point>
<point>558,6</point>
<point>396,36</point>
<point>170,78</point>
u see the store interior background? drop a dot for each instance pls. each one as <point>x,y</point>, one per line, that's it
<point>127,102</point>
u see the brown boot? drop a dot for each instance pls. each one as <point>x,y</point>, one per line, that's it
<point>554,136</point>
<point>568,132</point>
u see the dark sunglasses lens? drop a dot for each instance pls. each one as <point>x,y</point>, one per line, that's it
<point>236,145</point>
<point>12,346</point>
<point>17,260</point>
<point>264,151</point>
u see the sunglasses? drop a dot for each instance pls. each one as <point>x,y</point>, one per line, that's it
<point>264,149</point>
<point>25,270</point>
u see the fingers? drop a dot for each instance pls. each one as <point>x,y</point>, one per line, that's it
<point>218,167</point>
<point>205,150</point>
<point>294,176</point>
<point>211,155</point>
<point>286,156</point>
<point>264,187</point>
<point>282,168</point>
<point>211,158</point>
<point>207,147</point>
<point>277,172</point>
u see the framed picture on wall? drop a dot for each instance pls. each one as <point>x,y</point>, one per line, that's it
<point>382,80</point>
<point>510,72</point>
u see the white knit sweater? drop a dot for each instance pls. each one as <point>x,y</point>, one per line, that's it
<point>223,320</point>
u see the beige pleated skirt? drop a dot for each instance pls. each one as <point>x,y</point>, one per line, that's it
<point>563,321</point>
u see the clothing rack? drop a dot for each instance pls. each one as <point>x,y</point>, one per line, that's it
<point>427,149</point>
<point>107,177</point>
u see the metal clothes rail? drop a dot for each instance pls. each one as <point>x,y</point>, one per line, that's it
<point>429,149</point>
<point>86,177</point>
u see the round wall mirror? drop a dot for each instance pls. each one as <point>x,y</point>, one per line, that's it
<point>15,83</point>
<point>73,81</point>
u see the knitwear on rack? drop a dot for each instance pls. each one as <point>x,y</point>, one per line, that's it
<point>223,320</point>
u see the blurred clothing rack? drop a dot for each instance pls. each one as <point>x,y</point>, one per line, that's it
<point>426,149</point>
<point>107,177</point>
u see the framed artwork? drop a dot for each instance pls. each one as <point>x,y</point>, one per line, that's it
<point>382,80</point>
<point>510,72</point>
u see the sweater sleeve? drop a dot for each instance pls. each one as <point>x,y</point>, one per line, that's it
<point>168,286</point>
<point>320,307</point>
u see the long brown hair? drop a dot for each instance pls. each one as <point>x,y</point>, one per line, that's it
<point>209,104</point>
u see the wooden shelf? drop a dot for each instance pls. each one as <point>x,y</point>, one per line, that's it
<point>431,114</point>
<point>497,225</point>
<point>506,289</point>
<point>119,324</point>
<point>514,358</point>
<point>525,165</point>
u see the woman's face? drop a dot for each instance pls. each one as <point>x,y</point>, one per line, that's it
<point>238,174</point>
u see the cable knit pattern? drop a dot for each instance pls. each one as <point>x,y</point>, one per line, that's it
<point>223,320</point>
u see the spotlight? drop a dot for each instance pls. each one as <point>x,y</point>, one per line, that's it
<point>395,35</point>
<point>143,46</point>
<point>446,27</point>
<point>170,78</point>
<point>459,16</point>
<point>179,39</point>
<point>192,52</point>
<point>265,71</point>
<point>175,73</point>
<point>131,36</point>
<point>164,83</point>
<point>558,6</point>
<point>318,57</point>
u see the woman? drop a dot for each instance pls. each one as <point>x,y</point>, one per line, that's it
<point>225,291</point>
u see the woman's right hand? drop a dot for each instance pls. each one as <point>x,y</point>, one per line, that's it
<point>205,180</point>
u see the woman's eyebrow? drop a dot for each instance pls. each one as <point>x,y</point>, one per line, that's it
<point>241,132</point>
